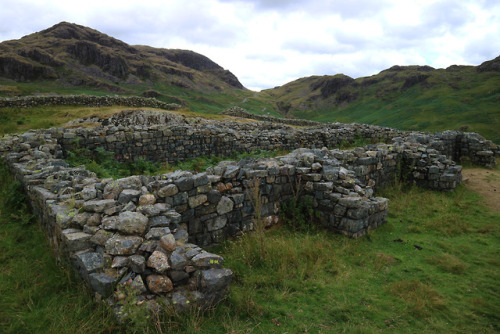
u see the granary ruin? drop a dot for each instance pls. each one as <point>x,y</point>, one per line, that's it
<point>148,231</point>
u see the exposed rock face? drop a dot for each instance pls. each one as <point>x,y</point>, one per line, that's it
<point>332,85</point>
<point>22,70</point>
<point>413,80</point>
<point>490,65</point>
<point>88,53</point>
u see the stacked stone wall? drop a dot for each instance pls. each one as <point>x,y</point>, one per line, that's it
<point>181,141</point>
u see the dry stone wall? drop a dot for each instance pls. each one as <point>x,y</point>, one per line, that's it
<point>147,231</point>
<point>115,233</point>
<point>171,139</point>
<point>86,100</point>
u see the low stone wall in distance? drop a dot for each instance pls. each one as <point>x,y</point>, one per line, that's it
<point>85,100</point>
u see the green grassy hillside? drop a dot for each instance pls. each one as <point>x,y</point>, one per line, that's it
<point>407,98</point>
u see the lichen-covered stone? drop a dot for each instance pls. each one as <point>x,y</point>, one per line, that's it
<point>169,190</point>
<point>100,237</point>
<point>159,284</point>
<point>207,260</point>
<point>132,223</point>
<point>120,262</point>
<point>196,201</point>
<point>157,232</point>
<point>89,262</point>
<point>76,241</point>
<point>123,245</point>
<point>137,263</point>
<point>98,205</point>
<point>147,199</point>
<point>213,280</point>
<point>217,223</point>
<point>167,242</point>
<point>128,195</point>
<point>178,259</point>
<point>102,283</point>
<point>158,261</point>
<point>225,205</point>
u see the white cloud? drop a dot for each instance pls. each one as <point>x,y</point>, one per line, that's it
<point>267,43</point>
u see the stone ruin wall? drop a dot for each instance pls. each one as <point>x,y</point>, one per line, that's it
<point>146,230</point>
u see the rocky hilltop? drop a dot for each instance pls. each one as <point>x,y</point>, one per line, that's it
<point>75,55</point>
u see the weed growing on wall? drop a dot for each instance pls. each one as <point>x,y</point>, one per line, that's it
<point>297,213</point>
<point>132,310</point>
<point>107,164</point>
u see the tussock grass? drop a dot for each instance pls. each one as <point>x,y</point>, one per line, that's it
<point>448,263</point>
<point>420,298</point>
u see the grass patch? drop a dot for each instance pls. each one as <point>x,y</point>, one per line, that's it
<point>106,164</point>
<point>448,263</point>
<point>420,299</point>
<point>14,120</point>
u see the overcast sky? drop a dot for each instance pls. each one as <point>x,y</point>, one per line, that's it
<point>267,43</point>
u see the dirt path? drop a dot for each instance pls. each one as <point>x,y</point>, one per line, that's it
<point>486,182</point>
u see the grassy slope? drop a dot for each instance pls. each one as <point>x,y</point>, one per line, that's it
<point>436,109</point>
<point>297,282</point>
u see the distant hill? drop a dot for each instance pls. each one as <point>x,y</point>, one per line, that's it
<point>404,97</point>
<point>70,55</point>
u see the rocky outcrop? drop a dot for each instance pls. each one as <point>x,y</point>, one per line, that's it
<point>490,65</point>
<point>90,54</point>
<point>332,85</point>
<point>21,70</point>
<point>413,80</point>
